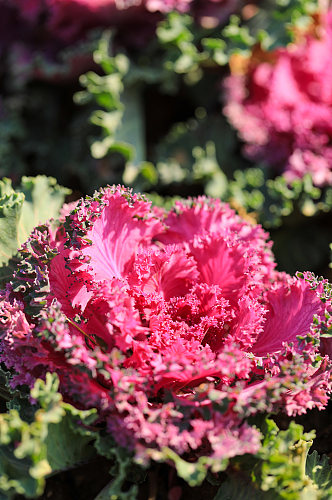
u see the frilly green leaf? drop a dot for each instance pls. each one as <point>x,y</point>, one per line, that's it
<point>43,200</point>
<point>319,470</point>
<point>122,471</point>
<point>35,201</point>
<point>236,488</point>
<point>10,215</point>
<point>282,468</point>
<point>56,439</point>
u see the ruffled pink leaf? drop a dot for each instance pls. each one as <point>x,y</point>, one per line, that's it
<point>291,308</point>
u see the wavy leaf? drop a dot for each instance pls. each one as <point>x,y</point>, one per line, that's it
<point>53,441</point>
<point>34,202</point>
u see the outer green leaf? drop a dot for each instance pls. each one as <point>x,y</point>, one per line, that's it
<point>319,470</point>
<point>43,200</point>
<point>65,444</point>
<point>282,469</point>
<point>11,205</point>
<point>113,491</point>
<point>51,442</point>
<point>193,473</point>
<point>235,488</point>
<point>35,201</point>
<point>122,471</point>
<point>283,456</point>
<point>6,271</point>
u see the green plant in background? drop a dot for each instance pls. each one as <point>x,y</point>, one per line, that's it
<point>182,52</point>
<point>106,90</point>
<point>272,25</point>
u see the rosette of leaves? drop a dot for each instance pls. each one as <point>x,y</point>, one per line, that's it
<point>92,304</point>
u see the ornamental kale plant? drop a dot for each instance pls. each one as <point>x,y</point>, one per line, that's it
<point>282,105</point>
<point>174,325</point>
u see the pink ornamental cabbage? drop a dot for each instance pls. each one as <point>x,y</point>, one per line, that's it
<point>282,108</point>
<point>174,325</point>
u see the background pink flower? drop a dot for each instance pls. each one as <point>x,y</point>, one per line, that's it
<point>282,107</point>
